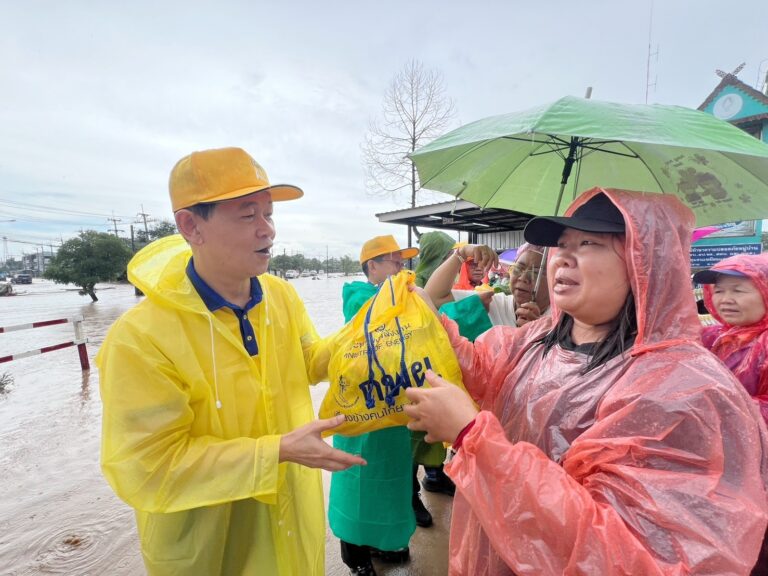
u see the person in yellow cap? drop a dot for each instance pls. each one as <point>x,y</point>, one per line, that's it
<point>369,509</point>
<point>380,257</point>
<point>208,426</point>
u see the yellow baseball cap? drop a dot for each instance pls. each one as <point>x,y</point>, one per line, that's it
<point>222,174</point>
<point>381,245</point>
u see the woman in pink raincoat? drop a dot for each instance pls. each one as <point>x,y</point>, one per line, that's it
<point>736,294</point>
<point>608,441</point>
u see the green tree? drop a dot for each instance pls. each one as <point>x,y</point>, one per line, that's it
<point>89,258</point>
<point>349,265</point>
<point>10,265</point>
<point>160,229</point>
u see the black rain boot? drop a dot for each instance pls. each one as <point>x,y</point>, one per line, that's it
<point>423,517</point>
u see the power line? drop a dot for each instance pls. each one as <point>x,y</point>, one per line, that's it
<point>26,206</point>
<point>38,243</point>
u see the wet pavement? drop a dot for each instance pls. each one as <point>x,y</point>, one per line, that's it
<point>57,514</point>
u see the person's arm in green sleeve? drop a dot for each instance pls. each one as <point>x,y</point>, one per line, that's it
<point>470,315</point>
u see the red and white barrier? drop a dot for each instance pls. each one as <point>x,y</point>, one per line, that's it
<point>79,340</point>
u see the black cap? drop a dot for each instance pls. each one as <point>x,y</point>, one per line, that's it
<point>711,276</point>
<point>598,214</point>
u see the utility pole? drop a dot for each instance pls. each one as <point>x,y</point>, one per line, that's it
<point>114,222</point>
<point>143,215</point>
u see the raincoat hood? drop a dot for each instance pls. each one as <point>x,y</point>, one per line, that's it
<point>527,247</point>
<point>434,247</point>
<point>657,243</point>
<point>159,271</point>
<point>465,280</point>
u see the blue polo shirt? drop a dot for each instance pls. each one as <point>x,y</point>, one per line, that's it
<point>214,301</point>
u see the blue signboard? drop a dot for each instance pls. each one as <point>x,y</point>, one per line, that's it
<point>706,256</point>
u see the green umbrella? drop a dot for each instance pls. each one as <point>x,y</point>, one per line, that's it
<point>523,161</point>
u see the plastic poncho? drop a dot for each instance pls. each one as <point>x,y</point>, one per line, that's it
<point>209,493</point>
<point>650,464</point>
<point>371,505</point>
<point>434,247</point>
<point>744,349</point>
<point>354,295</point>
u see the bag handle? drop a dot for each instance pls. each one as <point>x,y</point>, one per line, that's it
<point>401,281</point>
<point>393,389</point>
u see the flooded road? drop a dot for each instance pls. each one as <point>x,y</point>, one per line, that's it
<point>57,513</point>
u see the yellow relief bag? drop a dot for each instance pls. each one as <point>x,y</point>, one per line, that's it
<point>387,347</point>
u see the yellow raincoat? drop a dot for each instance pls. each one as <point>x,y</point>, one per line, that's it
<point>209,494</point>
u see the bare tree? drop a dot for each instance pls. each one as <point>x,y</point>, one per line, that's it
<point>415,111</point>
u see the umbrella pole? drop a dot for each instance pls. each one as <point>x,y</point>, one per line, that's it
<point>570,160</point>
<point>539,275</point>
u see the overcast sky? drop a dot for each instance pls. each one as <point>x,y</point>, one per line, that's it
<point>98,100</point>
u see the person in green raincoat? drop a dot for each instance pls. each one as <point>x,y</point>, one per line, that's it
<point>208,427</point>
<point>370,509</point>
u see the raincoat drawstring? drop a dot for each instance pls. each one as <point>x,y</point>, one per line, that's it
<point>213,359</point>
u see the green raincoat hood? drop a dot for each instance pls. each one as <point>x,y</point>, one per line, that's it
<point>433,248</point>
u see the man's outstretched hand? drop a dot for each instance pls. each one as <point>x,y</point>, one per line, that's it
<point>305,446</point>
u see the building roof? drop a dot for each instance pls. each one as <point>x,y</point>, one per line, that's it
<point>732,80</point>
<point>458,215</point>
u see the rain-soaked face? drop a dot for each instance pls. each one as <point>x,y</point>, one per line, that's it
<point>737,300</point>
<point>589,278</point>
<point>522,279</point>
<point>475,273</point>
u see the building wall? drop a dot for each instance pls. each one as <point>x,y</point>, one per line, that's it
<point>502,240</point>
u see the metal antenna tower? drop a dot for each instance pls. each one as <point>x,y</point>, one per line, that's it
<point>648,82</point>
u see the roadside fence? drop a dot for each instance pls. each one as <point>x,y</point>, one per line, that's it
<point>79,340</point>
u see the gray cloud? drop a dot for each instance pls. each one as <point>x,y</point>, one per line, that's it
<point>99,100</point>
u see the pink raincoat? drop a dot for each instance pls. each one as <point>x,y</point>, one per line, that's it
<point>744,349</point>
<point>650,464</point>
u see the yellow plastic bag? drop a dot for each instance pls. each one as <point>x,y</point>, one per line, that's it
<point>388,346</point>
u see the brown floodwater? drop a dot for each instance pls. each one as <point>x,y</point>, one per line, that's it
<point>57,513</point>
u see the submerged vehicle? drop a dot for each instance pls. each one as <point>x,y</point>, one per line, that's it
<point>289,274</point>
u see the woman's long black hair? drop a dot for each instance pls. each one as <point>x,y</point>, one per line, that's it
<point>616,342</point>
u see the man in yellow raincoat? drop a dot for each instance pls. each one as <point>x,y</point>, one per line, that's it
<point>208,427</point>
